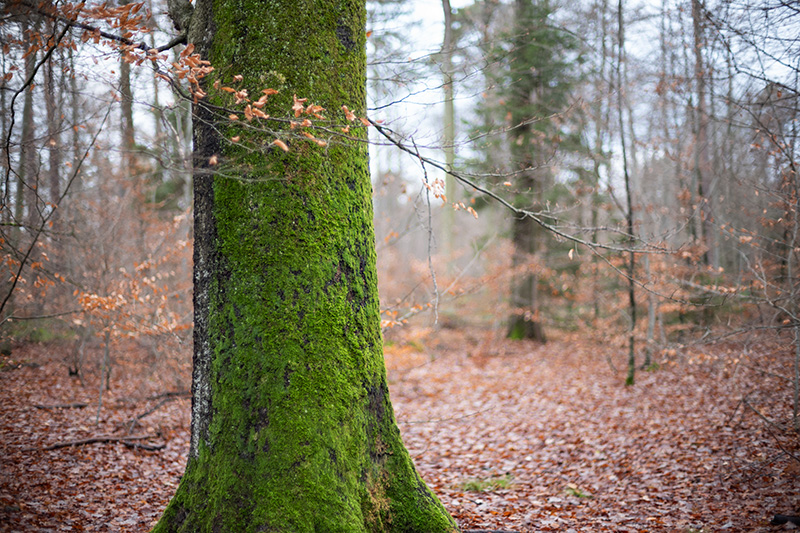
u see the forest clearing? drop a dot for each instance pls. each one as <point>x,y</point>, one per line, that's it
<point>515,436</point>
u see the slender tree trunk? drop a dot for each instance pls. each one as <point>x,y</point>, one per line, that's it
<point>292,427</point>
<point>685,173</point>
<point>28,178</point>
<point>794,306</point>
<point>126,124</point>
<point>8,233</point>
<point>54,147</point>
<point>600,125</point>
<point>449,128</point>
<point>728,258</point>
<point>130,171</point>
<point>5,199</point>
<point>702,164</point>
<point>629,197</point>
<point>105,372</point>
<point>75,109</point>
<point>652,312</point>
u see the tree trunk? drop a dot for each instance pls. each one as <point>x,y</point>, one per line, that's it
<point>631,271</point>
<point>128,140</point>
<point>449,132</point>
<point>53,107</point>
<point>702,163</point>
<point>292,427</point>
<point>601,125</point>
<point>525,322</point>
<point>527,151</point>
<point>28,177</point>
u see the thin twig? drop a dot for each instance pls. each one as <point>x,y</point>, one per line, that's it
<point>430,238</point>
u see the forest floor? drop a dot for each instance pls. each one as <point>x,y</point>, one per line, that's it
<point>510,435</point>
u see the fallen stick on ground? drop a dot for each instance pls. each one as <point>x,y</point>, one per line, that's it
<point>780,519</point>
<point>74,405</point>
<point>177,394</point>
<point>148,447</point>
<point>91,440</point>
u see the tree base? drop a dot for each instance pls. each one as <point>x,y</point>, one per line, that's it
<point>524,328</point>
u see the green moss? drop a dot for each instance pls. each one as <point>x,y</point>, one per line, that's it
<point>302,436</point>
<point>488,484</point>
<point>524,328</point>
<point>574,490</point>
<point>37,330</point>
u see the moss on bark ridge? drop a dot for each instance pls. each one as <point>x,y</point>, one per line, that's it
<point>297,433</point>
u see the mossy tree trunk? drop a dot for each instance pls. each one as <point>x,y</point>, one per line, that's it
<point>292,427</point>
<point>527,95</point>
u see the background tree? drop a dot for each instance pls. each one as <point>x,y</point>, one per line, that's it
<point>449,124</point>
<point>539,77</point>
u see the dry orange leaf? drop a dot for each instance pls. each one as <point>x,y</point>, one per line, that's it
<point>298,106</point>
<point>315,110</point>
<point>349,115</point>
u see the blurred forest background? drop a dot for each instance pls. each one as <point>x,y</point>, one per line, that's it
<point>635,165</point>
<point>613,179</point>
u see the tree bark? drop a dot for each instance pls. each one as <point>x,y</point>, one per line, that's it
<point>525,322</point>
<point>126,122</point>
<point>601,125</point>
<point>631,270</point>
<point>449,131</point>
<point>527,153</point>
<point>292,427</point>
<point>28,178</point>
<point>53,107</point>
<point>702,162</point>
